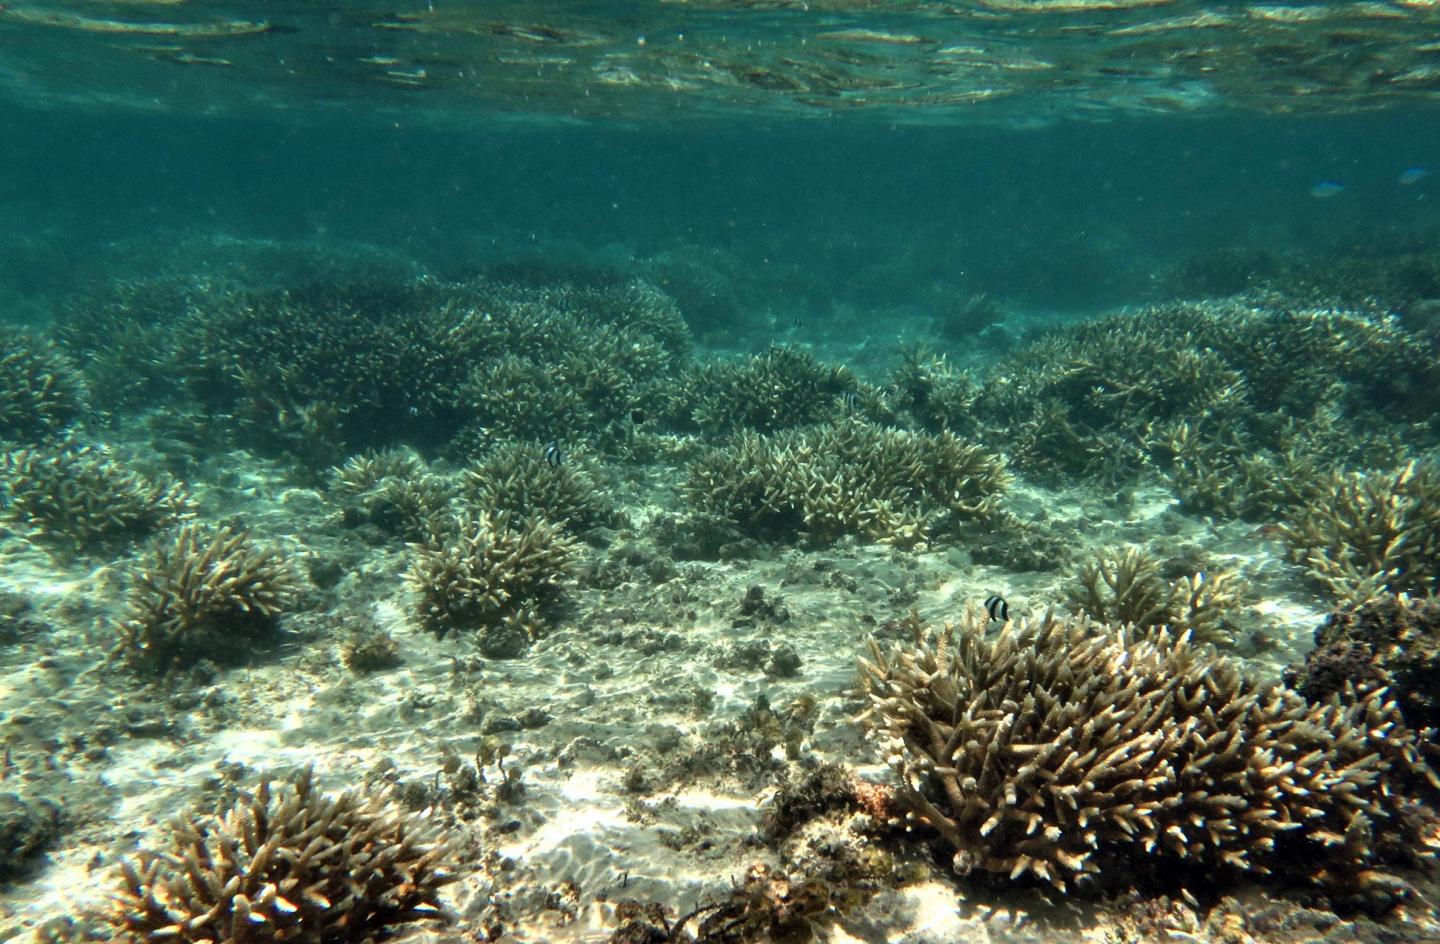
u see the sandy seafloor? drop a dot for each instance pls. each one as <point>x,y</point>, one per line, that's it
<point>608,716</point>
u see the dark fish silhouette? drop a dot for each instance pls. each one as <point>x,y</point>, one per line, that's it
<point>998,609</point>
<point>553,456</point>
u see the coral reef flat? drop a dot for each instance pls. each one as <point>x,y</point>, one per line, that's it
<point>520,612</point>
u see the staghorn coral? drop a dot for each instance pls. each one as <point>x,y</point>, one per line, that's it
<point>517,479</point>
<point>489,573</point>
<point>1078,754</point>
<point>41,392</point>
<point>520,398</point>
<point>1104,398</point>
<point>394,490</point>
<point>286,863</point>
<point>1126,588</point>
<point>1365,533</point>
<point>780,389</point>
<point>78,496</point>
<point>932,393</point>
<point>425,357</point>
<point>849,477</point>
<point>204,595</point>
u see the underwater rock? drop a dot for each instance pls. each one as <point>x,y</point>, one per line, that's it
<point>756,607</point>
<point>27,828</point>
<point>1389,641</point>
<point>17,618</point>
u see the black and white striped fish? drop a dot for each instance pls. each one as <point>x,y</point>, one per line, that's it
<point>553,456</point>
<point>998,609</point>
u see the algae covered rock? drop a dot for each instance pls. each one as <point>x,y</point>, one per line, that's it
<point>1390,641</point>
<point>27,828</point>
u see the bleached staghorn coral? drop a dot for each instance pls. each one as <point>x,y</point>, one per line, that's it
<point>1063,747</point>
<point>287,863</point>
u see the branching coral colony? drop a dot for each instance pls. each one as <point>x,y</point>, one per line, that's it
<point>1126,588</point>
<point>1366,533</point>
<point>204,595</point>
<point>284,864</point>
<point>489,573</point>
<point>1074,753</point>
<point>41,392</point>
<point>77,496</point>
<point>849,477</point>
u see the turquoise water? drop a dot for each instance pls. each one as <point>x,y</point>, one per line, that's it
<point>525,412</point>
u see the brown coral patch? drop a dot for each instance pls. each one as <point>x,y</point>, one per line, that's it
<point>1071,753</point>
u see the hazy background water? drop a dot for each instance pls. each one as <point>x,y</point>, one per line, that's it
<point>1041,209</point>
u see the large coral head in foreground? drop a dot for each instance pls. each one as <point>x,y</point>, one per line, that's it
<point>1072,752</point>
<point>285,864</point>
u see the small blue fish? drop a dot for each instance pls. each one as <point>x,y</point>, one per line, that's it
<point>1413,175</point>
<point>1327,188</point>
<point>553,456</point>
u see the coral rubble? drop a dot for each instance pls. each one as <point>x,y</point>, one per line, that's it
<point>1074,753</point>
